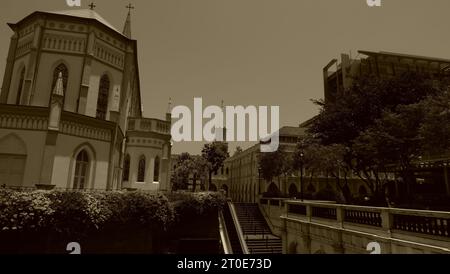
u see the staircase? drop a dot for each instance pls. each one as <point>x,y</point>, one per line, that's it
<point>258,236</point>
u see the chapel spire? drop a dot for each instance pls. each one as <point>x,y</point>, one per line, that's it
<point>127,27</point>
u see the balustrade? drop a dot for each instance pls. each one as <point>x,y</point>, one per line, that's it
<point>387,219</point>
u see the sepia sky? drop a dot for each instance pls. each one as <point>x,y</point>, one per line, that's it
<point>253,52</point>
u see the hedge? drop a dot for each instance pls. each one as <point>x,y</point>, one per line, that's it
<point>79,213</point>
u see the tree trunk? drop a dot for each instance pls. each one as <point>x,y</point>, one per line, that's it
<point>194,183</point>
<point>210,179</point>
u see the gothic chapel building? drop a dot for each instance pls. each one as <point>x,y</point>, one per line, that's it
<point>70,108</point>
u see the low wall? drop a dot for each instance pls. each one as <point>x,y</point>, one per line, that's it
<point>312,227</point>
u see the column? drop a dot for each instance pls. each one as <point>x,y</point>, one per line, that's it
<point>84,87</point>
<point>54,121</point>
<point>446,180</point>
<point>9,69</point>
<point>32,67</point>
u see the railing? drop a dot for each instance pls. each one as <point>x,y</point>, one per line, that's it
<point>433,223</point>
<point>419,222</point>
<point>238,228</point>
<point>149,125</point>
<point>297,209</point>
<point>224,237</point>
<point>324,212</point>
<point>363,217</point>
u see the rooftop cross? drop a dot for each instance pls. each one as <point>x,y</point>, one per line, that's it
<point>92,5</point>
<point>130,7</point>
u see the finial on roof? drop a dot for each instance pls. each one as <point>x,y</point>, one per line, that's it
<point>130,7</point>
<point>59,86</point>
<point>92,6</point>
<point>127,27</point>
<point>169,107</point>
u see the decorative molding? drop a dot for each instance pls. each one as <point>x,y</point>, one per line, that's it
<point>20,117</point>
<point>109,55</point>
<point>86,127</point>
<point>64,43</point>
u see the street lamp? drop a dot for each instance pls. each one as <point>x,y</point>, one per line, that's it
<point>302,155</point>
<point>259,181</point>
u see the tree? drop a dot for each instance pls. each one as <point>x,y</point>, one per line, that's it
<point>199,168</point>
<point>435,129</point>
<point>181,173</point>
<point>402,137</point>
<point>376,122</point>
<point>272,165</point>
<point>299,162</point>
<point>315,157</point>
<point>215,154</point>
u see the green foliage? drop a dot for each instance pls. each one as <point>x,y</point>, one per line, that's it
<point>146,209</point>
<point>435,129</point>
<point>76,214</point>
<point>25,210</point>
<point>189,205</point>
<point>215,154</point>
<point>272,164</point>
<point>342,121</point>
<point>187,166</point>
<point>382,123</point>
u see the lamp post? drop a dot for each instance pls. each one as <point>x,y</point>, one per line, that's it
<point>302,155</point>
<point>259,181</point>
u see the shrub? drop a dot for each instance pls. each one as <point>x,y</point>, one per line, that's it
<point>24,210</point>
<point>79,214</point>
<point>152,210</point>
<point>188,204</point>
<point>76,213</point>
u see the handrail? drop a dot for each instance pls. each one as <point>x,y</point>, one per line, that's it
<point>238,228</point>
<point>227,248</point>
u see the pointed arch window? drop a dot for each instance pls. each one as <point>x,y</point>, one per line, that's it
<point>156,169</point>
<point>103,94</point>
<point>81,170</point>
<point>20,87</point>
<point>141,169</point>
<point>61,68</point>
<point>126,169</point>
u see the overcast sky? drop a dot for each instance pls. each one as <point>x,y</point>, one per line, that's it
<point>254,52</point>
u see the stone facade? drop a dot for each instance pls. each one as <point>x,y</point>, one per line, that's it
<point>89,132</point>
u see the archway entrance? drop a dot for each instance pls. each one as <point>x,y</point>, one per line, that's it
<point>293,192</point>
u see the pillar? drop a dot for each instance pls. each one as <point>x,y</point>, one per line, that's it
<point>84,87</point>
<point>54,120</point>
<point>33,63</point>
<point>446,180</point>
<point>9,69</point>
